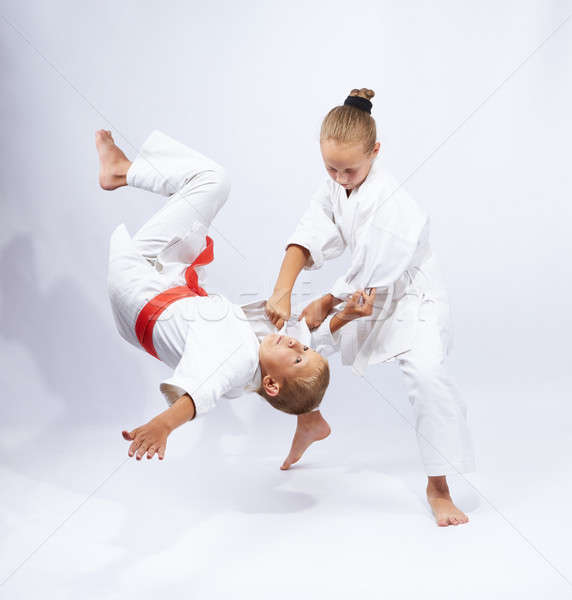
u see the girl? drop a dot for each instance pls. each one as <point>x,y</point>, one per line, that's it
<point>362,206</point>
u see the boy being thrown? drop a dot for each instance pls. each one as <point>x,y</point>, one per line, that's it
<point>216,348</point>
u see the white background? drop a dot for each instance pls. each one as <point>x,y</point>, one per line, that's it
<point>473,110</point>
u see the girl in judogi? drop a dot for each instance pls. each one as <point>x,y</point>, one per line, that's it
<point>155,278</point>
<point>362,207</point>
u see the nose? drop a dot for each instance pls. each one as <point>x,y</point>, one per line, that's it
<point>341,180</point>
<point>292,343</point>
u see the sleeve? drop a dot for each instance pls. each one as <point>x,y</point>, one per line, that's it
<point>386,249</point>
<point>317,231</point>
<point>323,340</point>
<point>207,371</point>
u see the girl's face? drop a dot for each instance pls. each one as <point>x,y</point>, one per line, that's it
<point>347,164</point>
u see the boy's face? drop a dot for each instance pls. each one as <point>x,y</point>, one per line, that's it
<point>282,357</point>
<point>347,164</point>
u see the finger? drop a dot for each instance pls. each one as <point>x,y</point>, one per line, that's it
<point>126,435</point>
<point>134,446</point>
<point>356,298</point>
<point>150,452</point>
<point>279,324</point>
<point>142,449</point>
<point>161,452</point>
<point>369,298</point>
<point>315,323</point>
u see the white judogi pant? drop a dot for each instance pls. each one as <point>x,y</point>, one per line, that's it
<point>440,413</point>
<point>162,167</point>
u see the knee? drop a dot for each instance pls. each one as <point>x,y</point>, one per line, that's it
<point>218,183</point>
<point>222,182</point>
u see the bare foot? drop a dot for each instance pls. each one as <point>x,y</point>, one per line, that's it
<point>311,428</point>
<point>446,513</point>
<point>113,164</point>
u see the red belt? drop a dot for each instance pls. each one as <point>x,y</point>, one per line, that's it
<point>152,310</point>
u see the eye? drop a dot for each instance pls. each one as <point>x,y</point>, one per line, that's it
<point>331,169</point>
<point>305,348</point>
<point>349,171</point>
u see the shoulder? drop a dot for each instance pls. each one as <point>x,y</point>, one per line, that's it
<point>232,341</point>
<point>393,208</point>
<point>325,189</point>
<point>392,195</point>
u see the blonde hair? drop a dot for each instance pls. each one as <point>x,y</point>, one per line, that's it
<point>300,395</point>
<point>348,124</point>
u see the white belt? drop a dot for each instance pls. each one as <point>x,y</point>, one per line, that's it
<point>415,291</point>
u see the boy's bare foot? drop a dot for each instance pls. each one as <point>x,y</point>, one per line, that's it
<point>113,164</point>
<point>446,513</point>
<point>311,428</point>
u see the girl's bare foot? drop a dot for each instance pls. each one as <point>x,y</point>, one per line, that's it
<point>311,428</point>
<point>113,164</point>
<point>446,513</point>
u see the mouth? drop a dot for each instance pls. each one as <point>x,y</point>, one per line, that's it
<point>279,339</point>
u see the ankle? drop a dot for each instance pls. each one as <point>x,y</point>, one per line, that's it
<point>437,485</point>
<point>309,419</point>
<point>121,169</point>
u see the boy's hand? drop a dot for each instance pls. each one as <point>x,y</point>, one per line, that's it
<point>318,310</point>
<point>149,438</point>
<point>360,304</point>
<point>278,308</point>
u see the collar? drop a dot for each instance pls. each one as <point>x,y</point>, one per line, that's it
<point>256,380</point>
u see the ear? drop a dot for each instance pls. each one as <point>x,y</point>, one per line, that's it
<point>376,148</point>
<point>270,385</point>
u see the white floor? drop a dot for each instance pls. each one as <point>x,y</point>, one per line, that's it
<point>218,519</point>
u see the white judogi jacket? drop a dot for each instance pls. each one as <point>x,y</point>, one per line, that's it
<point>211,344</point>
<point>388,235</point>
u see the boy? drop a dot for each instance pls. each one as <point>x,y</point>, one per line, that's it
<point>216,348</point>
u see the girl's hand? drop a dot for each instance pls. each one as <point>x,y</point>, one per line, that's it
<point>318,310</point>
<point>359,305</point>
<point>278,308</point>
<point>149,438</point>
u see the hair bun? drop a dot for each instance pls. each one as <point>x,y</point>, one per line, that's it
<point>363,93</point>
